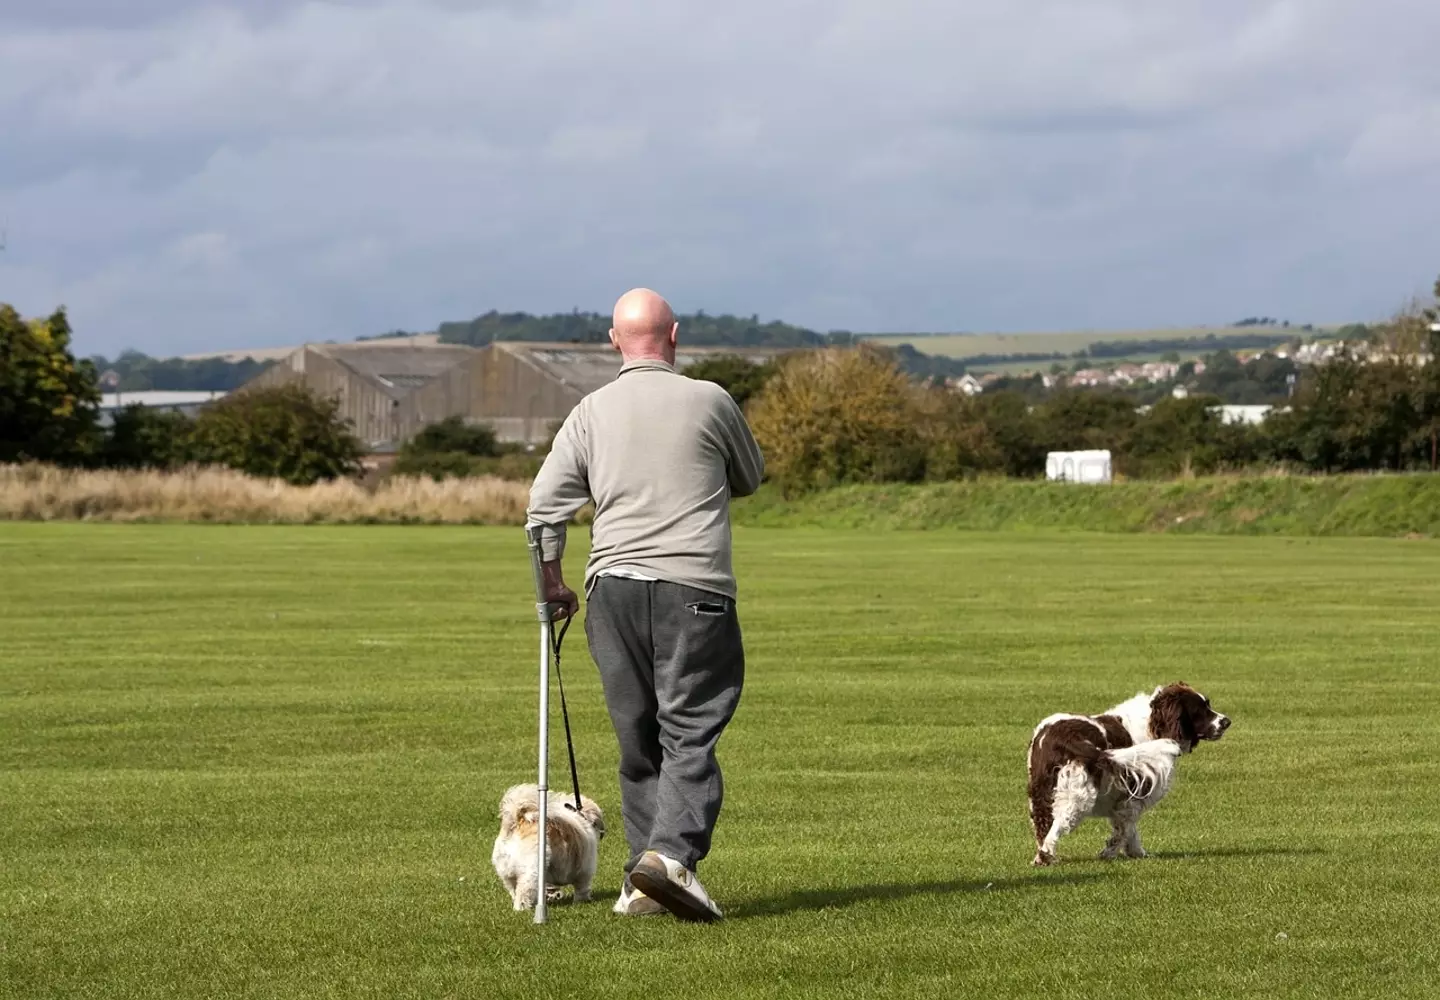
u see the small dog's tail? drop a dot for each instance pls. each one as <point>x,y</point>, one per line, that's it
<point>520,808</point>
<point>1142,770</point>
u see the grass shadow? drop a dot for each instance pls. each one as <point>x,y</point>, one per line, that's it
<point>824,899</point>
<point>1235,852</point>
<point>567,899</point>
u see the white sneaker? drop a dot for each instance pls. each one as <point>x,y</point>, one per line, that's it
<point>634,903</point>
<point>675,887</point>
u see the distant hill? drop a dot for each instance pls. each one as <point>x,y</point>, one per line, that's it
<point>920,354</point>
<point>1007,351</point>
<point>136,372</point>
<point>699,329</point>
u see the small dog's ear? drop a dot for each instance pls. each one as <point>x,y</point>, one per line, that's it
<point>592,813</point>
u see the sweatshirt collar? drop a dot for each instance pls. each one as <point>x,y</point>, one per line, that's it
<point>647,364</point>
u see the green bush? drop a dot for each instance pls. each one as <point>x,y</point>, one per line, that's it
<point>1187,435</point>
<point>1352,416</point>
<point>833,417</point>
<point>454,435</point>
<point>287,432</point>
<point>1015,430</point>
<point>435,465</point>
<point>741,378</point>
<point>1082,419</point>
<point>455,449</point>
<point>144,438</point>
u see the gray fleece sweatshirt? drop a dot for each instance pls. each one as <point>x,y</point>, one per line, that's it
<point>661,454</point>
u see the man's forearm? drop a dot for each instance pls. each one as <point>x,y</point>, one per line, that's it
<point>556,593</point>
<point>554,576</point>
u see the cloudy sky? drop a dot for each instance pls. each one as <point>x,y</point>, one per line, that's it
<point>189,175</point>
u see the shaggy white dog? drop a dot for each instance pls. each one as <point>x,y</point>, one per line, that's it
<point>571,844</point>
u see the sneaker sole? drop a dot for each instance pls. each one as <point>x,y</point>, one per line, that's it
<point>660,889</point>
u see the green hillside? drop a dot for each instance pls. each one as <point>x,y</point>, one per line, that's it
<point>1187,341</point>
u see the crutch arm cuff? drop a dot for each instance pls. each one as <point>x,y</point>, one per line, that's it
<point>549,538</point>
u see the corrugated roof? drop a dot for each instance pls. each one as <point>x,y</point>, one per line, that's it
<point>276,353</point>
<point>156,397</point>
<point>398,368</point>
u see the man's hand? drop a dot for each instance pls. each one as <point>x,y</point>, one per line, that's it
<point>563,601</point>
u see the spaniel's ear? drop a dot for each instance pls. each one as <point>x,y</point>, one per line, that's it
<point>1167,717</point>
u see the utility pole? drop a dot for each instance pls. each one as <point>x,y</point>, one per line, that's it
<point>1434,434</point>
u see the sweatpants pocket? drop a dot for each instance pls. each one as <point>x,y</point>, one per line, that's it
<point>712,609</point>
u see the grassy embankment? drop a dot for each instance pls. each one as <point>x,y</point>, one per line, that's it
<point>1393,506</point>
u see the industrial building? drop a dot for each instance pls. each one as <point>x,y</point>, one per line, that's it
<point>188,403</point>
<point>376,385</point>
<point>390,390</point>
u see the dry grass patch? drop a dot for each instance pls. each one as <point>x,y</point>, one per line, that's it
<point>45,493</point>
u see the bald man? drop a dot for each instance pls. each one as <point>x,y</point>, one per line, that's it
<point>661,455</point>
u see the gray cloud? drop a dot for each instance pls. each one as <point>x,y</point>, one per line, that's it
<point>68,15</point>
<point>191,176</point>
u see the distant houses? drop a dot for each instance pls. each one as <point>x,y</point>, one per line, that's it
<point>967,384</point>
<point>1124,374</point>
<point>1129,373</point>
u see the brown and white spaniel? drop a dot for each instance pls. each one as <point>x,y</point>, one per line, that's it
<point>1116,765</point>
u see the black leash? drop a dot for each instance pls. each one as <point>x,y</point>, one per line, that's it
<point>556,640</point>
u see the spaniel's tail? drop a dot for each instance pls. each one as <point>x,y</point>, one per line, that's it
<point>1144,770</point>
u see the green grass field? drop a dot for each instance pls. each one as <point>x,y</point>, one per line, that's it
<point>265,762</point>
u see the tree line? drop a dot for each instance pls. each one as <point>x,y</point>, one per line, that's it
<point>700,329</point>
<point>824,417</point>
<point>50,412</point>
<point>1207,342</point>
<point>134,371</point>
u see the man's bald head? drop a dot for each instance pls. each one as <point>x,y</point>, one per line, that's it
<point>644,327</point>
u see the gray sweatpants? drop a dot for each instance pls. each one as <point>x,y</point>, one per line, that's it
<point>672,664</point>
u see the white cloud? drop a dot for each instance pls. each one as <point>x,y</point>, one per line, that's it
<point>192,176</point>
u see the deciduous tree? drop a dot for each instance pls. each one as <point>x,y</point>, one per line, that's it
<point>49,401</point>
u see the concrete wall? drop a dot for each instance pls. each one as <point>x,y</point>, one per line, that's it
<point>372,412</point>
<point>494,387</point>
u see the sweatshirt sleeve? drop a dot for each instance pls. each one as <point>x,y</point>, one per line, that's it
<point>744,463</point>
<point>561,487</point>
